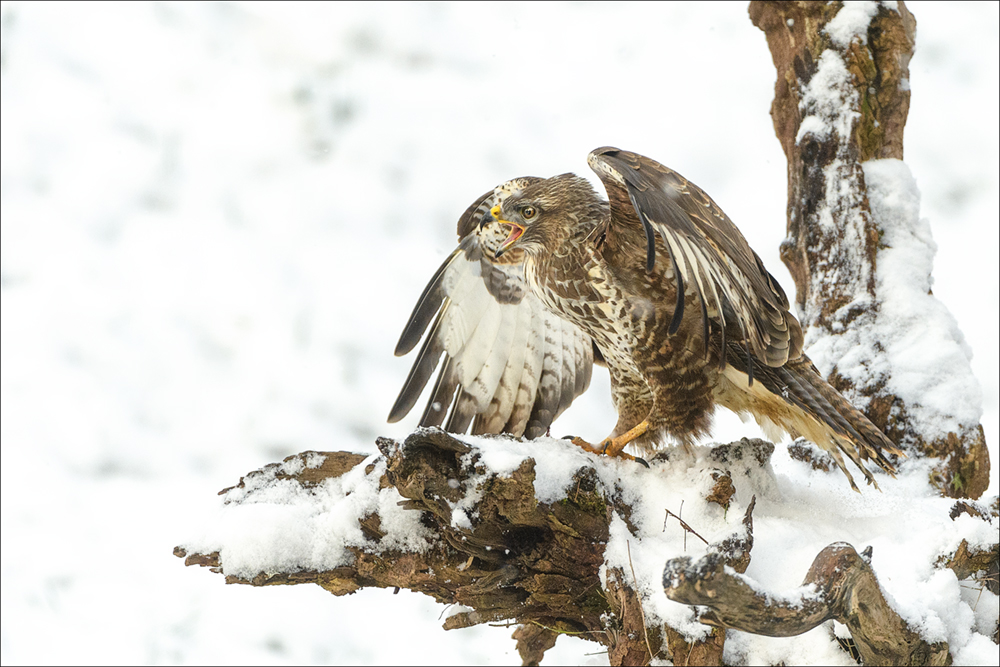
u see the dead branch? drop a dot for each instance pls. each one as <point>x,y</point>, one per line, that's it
<point>522,561</point>
<point>840,585</point>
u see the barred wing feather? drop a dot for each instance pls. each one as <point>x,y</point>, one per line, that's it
<point>707,251</point>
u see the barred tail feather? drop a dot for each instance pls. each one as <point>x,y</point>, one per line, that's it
<point>797,400</point>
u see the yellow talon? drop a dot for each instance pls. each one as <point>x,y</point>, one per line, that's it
<point>615,446</point>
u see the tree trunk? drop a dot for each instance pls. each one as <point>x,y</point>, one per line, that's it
<point>841,100</point>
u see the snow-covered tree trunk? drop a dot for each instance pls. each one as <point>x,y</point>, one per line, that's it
<point>858,251</point>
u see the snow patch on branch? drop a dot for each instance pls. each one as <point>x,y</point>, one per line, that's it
<point>829,100</point>
<point>921,341</point>
<point>852,22</point>
<point>846,263</point>
<point>276,525</point>
<point>795,598</point>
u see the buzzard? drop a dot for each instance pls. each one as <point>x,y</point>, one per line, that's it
<point>657,283</point>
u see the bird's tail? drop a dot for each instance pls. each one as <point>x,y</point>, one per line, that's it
<point>849,431</point>
<point>797,400</point>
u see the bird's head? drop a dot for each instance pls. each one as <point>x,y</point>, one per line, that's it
<point>544,213</point>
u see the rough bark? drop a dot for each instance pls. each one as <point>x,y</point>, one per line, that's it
<point>825,178</point>
<point>839,585</point>
<point>532,563</point>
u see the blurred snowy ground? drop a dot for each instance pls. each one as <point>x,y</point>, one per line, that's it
<point>215,221</point>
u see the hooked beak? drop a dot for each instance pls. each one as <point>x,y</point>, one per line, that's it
<point>515,232</point>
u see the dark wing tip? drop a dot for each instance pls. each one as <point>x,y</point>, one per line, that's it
<point>426,308</point>
<point>420,373</point>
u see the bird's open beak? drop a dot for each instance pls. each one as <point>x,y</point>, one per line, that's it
<point>515,231</point>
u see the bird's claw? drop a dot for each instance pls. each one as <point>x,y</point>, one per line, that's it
<point>605,448</point>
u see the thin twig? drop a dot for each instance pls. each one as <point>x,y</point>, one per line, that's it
<point>680,513</point>
<point>638,598</point>
<point>981,587</point>
<point>685,526</point>
<point>555,630</point>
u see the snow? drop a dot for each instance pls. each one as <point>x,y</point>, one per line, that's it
<point>554,469</point>
<point>185,188</point>
<point>919,338</point>
<point>272,524</point>
<point>828,99</point>
<point>914,347</point>
<point>851,22</point>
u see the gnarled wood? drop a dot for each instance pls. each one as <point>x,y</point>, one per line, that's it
<point>524,561</point>
<point>839,585</point>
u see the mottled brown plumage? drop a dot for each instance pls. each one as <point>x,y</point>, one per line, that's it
<point>656,282</point>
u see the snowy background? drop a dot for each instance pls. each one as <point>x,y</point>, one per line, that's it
<point>216,219</point>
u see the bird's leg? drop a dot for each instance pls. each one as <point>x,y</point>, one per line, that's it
<point>616,446</point>
<point>586,446</point>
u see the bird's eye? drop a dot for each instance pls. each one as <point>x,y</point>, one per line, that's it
<point>529,212</point>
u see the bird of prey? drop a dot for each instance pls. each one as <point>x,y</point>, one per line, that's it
<point>657,283</point>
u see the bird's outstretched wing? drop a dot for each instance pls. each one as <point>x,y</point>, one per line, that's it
<point>707,253</point>
<point>510,365</point>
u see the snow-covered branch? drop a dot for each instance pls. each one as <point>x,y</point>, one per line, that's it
<point>541,534</point>
<point>840,585</point>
